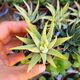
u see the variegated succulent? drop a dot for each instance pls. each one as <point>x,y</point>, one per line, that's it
<point>76,13</point>
<point>60,14</point>
<point>31,15</point>
<point>41,45</point>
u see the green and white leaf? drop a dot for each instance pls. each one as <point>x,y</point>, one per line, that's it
<point>56,54</point>
<point>58,6</point>
<point>34,37</point>
<point>52,43</point>
<point>61,40</point>
<point>28,8</point>
<point>44,57</point>
<point>50,60</point>
<point>25,40</point>
<point>50,33</point>
<point>34,60</point>
<point>47,17</point>
<point>44,36</point>
<point>52,9</point>
<point>33,29</point>
<point>36,9</point>
<point>31,48</point>
<point>65,8</point>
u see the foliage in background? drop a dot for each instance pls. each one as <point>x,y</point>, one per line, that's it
<point>66,23</point>
<point>63,2</point>
<point>72,45</point>
<point>60,14</point>
<point>18,2</point>
<point>76,63</point>
<point>31,14</point>
<point>42,2</point>
<point>76,14</point>
<point>42,45</point>
<point>72,29</point>
<point>62,66</point>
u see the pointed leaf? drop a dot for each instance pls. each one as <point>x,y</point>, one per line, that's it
<point>50,60</point>
<point>44,36</point>
<point>56,54</point>
<point>31,48</point>
<point>51,9</point>
<point>28,57</point>
<point>73,14</point>
<point>72,9</point>
<point>61,40</point>
<point>36,9</point>
<point>33,29</point>
<point>28,8</point>
<point>52,43</point>
<point>25,40</point>
<point>58,6</point>
<point>34,37</point>
<point>33,62</point>
<point>50,33</point>
<point>22,11</point>
<point>47,18</point>
<point>65,8</point>
<point>78,6</point>
<point>44,57</point>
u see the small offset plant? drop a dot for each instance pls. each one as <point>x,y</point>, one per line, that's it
<point>76,14</point>
<point>41,46</point>
<point>31,15</point>
<point>60,14</point>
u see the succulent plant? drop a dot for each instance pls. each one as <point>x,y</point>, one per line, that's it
<point>41,45</point>
<point>72,44</point>
<point>72,29</point>
<point>76,14</point>
<point>30,14</point>
<point>60,14</point>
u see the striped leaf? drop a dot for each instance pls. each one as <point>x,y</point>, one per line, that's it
<point>61,40</point>
<point>44,36</point>
<point>33,62</point>
<point>52,9</point>
<point>34,37</point>
<point>58,6</point>
<point>33,29</point>
<point>25,40</point>
<point>28,8</point>
<point>52,43</point>
<point>64,9</point>
<point>50,33</point>
<point>36,9</point>
<point>44,57</point>
<point>50,60</point>
<point>31,48</point>
<point>56,54</point>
